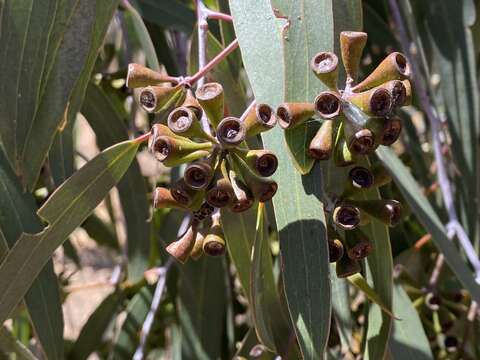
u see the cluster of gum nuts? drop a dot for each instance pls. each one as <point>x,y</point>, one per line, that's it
<point>356,120</point>
<point>221,171</point>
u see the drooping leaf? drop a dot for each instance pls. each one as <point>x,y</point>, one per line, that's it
<point>341,309</point>
<point>60,156</point>
<point>271,325</point>
<point>107,120</point>
<point>102,233</point>
<point>299,212</point>
<point>408,340</point>
<point>66,209</point>
<point>239,231</point>
<point>90,337</point>
<point>361,284</point>
<point>17,216</point>
<point>427,216</point>
<point>62,69</point>
<point>202,305</point>
<point>380,265</point>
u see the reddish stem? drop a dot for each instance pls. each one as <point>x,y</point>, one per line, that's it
<point>215,15</point>
<point>220,56</point>
<point>143,137</point>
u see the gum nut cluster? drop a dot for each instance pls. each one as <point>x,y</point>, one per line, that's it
<point>356,120</point>
<point>221,171</point>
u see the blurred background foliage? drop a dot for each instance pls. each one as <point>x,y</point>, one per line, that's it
<point>98,292</point>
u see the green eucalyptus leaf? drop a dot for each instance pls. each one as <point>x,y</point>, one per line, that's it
<point>66,209</point>
<point>239,231</point>
<point>9,346</point>
<point>55,43</point>
<point>299,212</point>
<point>17,216</point>
<point>428,218</point>
<point>271,325</point>
<point>202,306</point>
<point>408,340</point>
<point>106,116</point>
<point>172,14</point>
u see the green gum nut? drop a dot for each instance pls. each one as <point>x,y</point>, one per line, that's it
<point>291,115</point>
<point>182,248</point>
<point>141,76</point>
<point>394,67</point>
<point>173,151</point>
<point>387,211</point>
<point>260,118</point>
<point>352,44</point>
<point>211,98</point>
<point>263,189</point>
<point>184,122</point>
<point>325,67</point>
<point>153,99</point>
<point>321,146</point>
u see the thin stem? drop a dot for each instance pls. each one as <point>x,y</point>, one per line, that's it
<point>245,113</point>
<point>435,124</point>
<point>157,297</point>
<point>218,58</point>
<point>143,137</point>
<point>215,15</point>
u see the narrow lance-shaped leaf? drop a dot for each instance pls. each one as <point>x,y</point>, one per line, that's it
<point>270,324</point>
<point>17,216</point>
<point>408,340</point>
<point>66,209</point>
<point>64,66</point>
<point>202,306</point>
<point>299,212</point>
<point>107,120</point>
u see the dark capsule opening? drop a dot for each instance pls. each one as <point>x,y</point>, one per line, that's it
<point>391,131</point>
<point>361,177</point>
<point>147,99</point>
<point>242,205</point>
<point>401,62</point>
<point>162,148</point>
<point>181,196</point>
<point>360,250</point>
<point>362,142</point>
<point>347,217</point>
<point>218,197</point>
<point>327,105</point>
<point>266,164</point>
<point>230,131</point>
<point>214,248</point>
<point>451,343</point>
<point>268,191</point>
<point>324,62</point>
<point>380,102</point>
<point>399,94</point>
<point>395,210</point>
<point>197,176</point>
<point>180,120</point>
<point>335,250</point>
<point>284,117</point>
<point>264,113</point>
